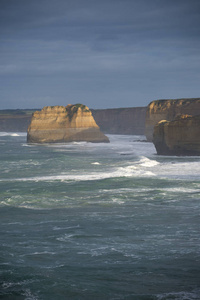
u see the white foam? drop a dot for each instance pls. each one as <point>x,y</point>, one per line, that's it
<point>14,134</point>
<point>143,162</point>
<point>29,295</point>
<point>39,253</point>
<point>116,200</point>
<point>183,295</point>
<point>65,237</point>
<point>128,171</point>
<point>146,162</point>
<point>179,169</point>
<point>144,167</point>
<point>181,190</point>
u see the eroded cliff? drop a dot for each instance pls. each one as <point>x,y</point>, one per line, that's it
<point>64,124</point>
<point>178,137</point>
<point>121,120</point>
<point>168,110</point>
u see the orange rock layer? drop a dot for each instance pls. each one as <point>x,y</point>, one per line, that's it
<point>55,124</point>
<point>168,110</point>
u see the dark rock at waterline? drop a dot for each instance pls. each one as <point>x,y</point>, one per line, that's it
<point>178,137</point>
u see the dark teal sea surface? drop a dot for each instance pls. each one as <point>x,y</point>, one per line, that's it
<point>98,221</point>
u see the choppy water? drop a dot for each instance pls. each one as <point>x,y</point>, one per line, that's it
<point>98,221</point>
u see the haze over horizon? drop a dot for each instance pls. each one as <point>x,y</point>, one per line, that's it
<point>105,54</point>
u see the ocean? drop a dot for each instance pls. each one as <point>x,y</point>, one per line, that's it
<point>98,221</point>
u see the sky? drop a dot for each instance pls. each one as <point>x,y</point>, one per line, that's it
<point>102,53</point>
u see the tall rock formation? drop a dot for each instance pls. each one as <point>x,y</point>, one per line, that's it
<point>64,124</point>
<point>121,120</point>
<point>168,110</point>
<point>178,137</point>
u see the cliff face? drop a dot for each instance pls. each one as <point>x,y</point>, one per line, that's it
<point>64,124</point>
<point>121,120</point>
<point>178,137</point>
<point>168,110</point>
<point>18,123</point>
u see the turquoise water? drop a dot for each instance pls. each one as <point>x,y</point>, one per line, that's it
<point>98,221</point>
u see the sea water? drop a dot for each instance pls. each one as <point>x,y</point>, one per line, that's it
<point>98,221</point>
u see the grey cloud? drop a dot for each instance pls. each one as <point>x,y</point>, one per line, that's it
<point>101,51</point>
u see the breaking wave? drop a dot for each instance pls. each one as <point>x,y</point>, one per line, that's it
<point>127,171</point>
<point>14,134</point>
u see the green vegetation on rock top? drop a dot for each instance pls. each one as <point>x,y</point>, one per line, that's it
<point>74,108</point>
<point>82,106</point>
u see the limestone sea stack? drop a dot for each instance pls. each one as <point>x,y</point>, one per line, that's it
<point>178,137</point>
<point>57,124</point>
<point>168,110</point>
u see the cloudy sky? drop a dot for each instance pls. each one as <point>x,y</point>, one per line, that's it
<point>103,53</point>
